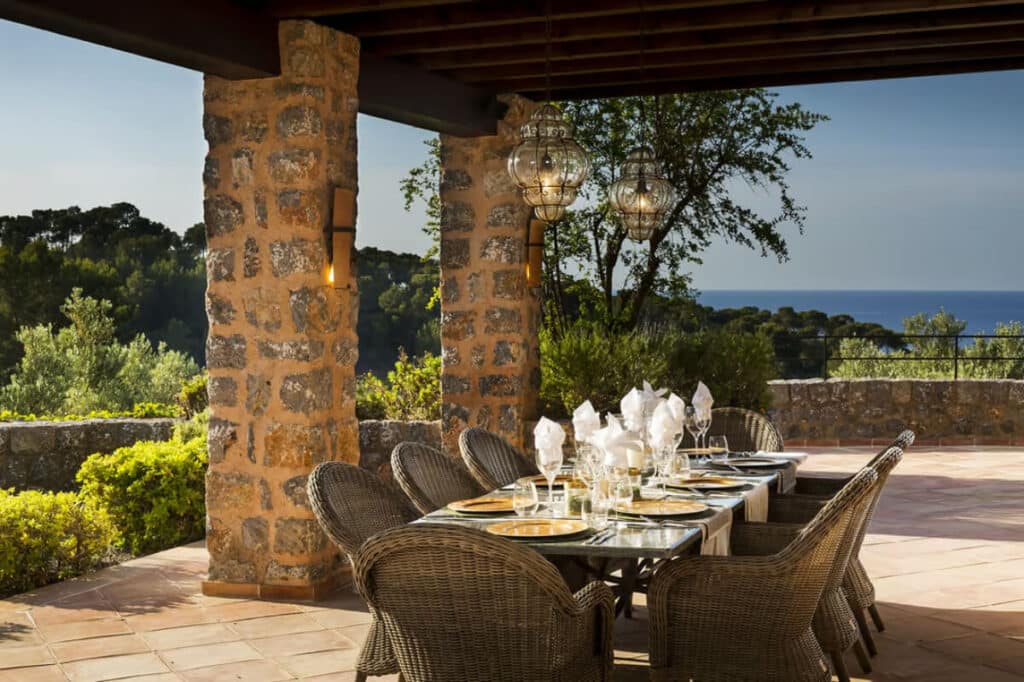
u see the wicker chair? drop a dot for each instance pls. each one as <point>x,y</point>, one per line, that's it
<point>700,607</point>
<point>352,505</point>
<point>834,627</point>
<point>460,604</point>
<point>746,430</point>
<point>430,478</point>
<point>492,461</point>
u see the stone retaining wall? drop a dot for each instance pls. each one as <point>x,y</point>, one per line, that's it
<point>864,411</point>
<point>47,455</point>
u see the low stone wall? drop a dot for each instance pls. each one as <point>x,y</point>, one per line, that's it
<point>377,438</point>
<point>873,411</point>
<point>47,455</point>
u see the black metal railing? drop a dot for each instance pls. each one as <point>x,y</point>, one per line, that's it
<point>900,342</point>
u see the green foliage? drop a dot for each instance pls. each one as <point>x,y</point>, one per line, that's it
<point>978,358</point>
<point>193,398</point>
<point>139,411</point>
<point>412,390</point>
<point>154,277</point>
<point>82,367</point>
<point>46,537</point>
<point>395,290</point>
<point>588,363</point>
<point>188,430</point>
<point>154,492</point>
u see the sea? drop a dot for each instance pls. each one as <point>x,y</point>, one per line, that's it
<point>981,309</point>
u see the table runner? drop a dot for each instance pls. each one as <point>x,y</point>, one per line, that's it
<point>715,531</point>
<point>755,503</point>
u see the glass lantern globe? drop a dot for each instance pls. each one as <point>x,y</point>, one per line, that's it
<point>641,195</point>
<point>547,164</point>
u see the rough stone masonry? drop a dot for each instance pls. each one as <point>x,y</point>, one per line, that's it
<point>282,344</point>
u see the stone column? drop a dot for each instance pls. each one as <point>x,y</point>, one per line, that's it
<point>282,345</point>
<point>489,317</point>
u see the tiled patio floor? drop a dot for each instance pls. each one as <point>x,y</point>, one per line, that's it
<point>946,551</point>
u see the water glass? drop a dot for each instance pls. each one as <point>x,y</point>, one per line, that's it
<point>524,497</point>
<point>718,447</point>
<point>595,508</point>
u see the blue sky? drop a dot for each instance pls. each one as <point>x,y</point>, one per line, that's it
<point>915,184</point>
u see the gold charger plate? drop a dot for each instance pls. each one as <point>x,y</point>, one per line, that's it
<point>661,508</point>
<point>706,482</point>
<point>483,505</point>
<point>537,528</point>
<point>559,482</point>
<point>701,451</point>
<point>766,462</point>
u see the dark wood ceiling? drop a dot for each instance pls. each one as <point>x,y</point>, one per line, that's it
<point>439,63</point>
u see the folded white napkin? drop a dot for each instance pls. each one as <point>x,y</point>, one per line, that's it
<point>632,406</point>
<point>755,503</point>
<point>678,407</point>
<point>616,444</point>
<point>651,397</point>
<point>702,400</point>
<point>548,437</point>
<point>585,421</point>
<point>664,428</point>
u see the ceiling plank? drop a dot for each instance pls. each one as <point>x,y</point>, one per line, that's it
<point>773,12</point>
<point>719,55</point>
<point>215,36</point>
<point>788,79</point>
<point>758,35</point>
<point>769,67</point>
<point>288,9</point>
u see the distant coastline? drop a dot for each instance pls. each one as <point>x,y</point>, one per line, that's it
<point>981,309</point>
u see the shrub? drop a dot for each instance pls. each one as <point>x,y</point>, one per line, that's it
<point>193,398</point>
<point>139,411</point>
<point>412,391</point>
<point>46,537</point>
<point>587,363</point>
<point>154,492</point>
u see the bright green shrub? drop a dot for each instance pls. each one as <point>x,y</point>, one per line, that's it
<point>153,491</point>
<point>412,391</point>
<point>588,363</point>
<point>45,537</point>
<point>193,398</point>
<point>139,411</point>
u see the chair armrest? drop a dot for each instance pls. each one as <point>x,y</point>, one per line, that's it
<point>794,508</point>
<point>762,539</point>
<point>825,486</point>
<point>597,604</point>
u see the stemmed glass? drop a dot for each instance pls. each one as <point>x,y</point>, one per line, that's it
<point>703,423</point>
<point>550,463</point>
<point>524,497</point>
<point>690,421</point>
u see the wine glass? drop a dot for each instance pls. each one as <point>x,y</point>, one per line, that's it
<point>703,422</point>
<point>524,497</point>
<point>718,447</point>
<point>550,462</point>
<point>690,422</point>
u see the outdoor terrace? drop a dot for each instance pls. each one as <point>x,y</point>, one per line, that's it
<point>946,552</point>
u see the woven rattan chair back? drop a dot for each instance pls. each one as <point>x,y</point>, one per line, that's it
<point>491,460</point>
<point>694,639</point>
<point>430,478</point>
<point>883,466</point>
<point>746,430</point>
<point>460,604</point>
<point>352,504</point>
<point>904,440</point>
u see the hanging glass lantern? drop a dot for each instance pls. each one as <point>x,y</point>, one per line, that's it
<point>547,164</point>
<point>642,195</point>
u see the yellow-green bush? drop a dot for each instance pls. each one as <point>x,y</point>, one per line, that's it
<point>46,537</point>
<point>154,492</point>
<point>412,390</point>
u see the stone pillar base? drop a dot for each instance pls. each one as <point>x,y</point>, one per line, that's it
<point>318,591</point>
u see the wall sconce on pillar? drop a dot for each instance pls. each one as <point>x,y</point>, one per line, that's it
<point>534,251</point>
<point>341,236</point>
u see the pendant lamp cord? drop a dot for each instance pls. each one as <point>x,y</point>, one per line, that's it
<point>643,74</point>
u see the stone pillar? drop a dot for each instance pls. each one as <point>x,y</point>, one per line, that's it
<point>282,346</point>
<point>489,316</point>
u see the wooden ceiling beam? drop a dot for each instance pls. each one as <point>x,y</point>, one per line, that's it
<point>492,75</point>
<point>491,13</point>
<point>788,79</point>
<point>768,12</point>
<point>769,67</point>
<point>760,35</point>
<point>290,9</point>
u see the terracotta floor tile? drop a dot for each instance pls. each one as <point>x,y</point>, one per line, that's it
<point>275,625</point>
<point>337,618</point>
<point>17,630</point>
<point>243,610</point>
<point>98,647</point>
<point>302,643</point>
<point>43,673</point>
<point>1000,619</point>
<point>62,632</point>
<point>206,655</point>
<point>159,677</point>
<point>190,635</point>
<point>76,609</point>
<point>1014,664</point>
<point>172,618</point>
<point>250,671</point>
<point>19,657</point>
<point>114,667</point>
<point>981,647</point>
<point>320,663</point>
